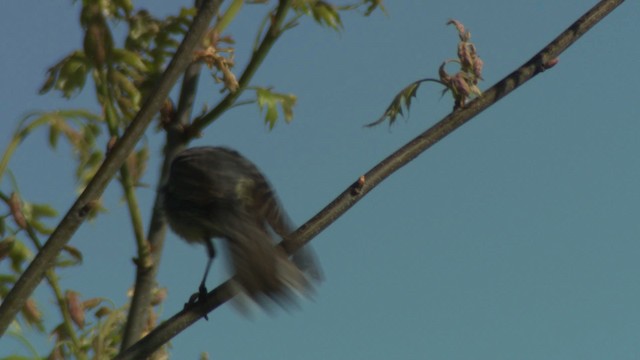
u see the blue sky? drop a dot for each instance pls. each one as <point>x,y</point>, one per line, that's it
<point>515,237</point>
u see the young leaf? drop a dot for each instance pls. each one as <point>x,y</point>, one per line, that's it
<point>19,254</point>
<point>129,58</point>
<point>463,84</point>
<point>322,12</point>
<point>400,101</point>
<point>41,227</point>
<point>326,14</point>
<point>72,74</point>
<point>54,135</point>
<point>271,100</point>
<point>43,210</point>
<point>373,5</point>
<point>74,252</point>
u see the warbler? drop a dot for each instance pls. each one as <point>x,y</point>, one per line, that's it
<point>214,192</point>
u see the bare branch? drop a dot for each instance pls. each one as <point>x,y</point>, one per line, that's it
<point>538,63</point>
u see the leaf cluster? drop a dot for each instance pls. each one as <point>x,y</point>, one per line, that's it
<point>463,84</point>
<point>271,100</point>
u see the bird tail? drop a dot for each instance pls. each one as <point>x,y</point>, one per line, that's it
<point>271,210</point>
<point>265,272</point>
<point>307,261</point>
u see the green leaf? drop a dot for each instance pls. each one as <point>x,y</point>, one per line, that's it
<point>187,13</point>
<point>127,86</point>
<point>79,114</point>
<point>326,14</point>
<point>74,252</point>
<point>89,133</point>
<point>402,99</point>
<point>271,100</point>
<point>29,123</point>
<point>141,157</point>
<point>129,58</point>
<point>322,12</point>
<point>19,255</point>
<point>66,263</point>
<point>73,74</point>
<point>52,76</point>
<point>41,227</point>
<point>54,135</point>
<point>43,210</point>
<point>95,159</point>
<point>8,279</point>
<point>90,160</point>
<point>373,5</point>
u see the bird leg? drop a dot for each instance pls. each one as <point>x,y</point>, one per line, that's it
<point>201,295</point>
<point>211,252</point>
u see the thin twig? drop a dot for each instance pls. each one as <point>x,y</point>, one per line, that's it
<point>386,167</point>
<point>271,35</point>
<point>52,279</point>
<point>23,288</point>
<point>149,262</point>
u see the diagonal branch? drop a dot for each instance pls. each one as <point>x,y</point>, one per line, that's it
<point>538,63</point>
<point>77,213</point>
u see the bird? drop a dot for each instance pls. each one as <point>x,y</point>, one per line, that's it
<point>214,192</point>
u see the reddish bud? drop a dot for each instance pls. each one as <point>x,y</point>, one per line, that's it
<point>551,63</point>
<point>31,312</point>
<point>478,64</point>
<point>444,77</point>
<point>15,205</point>
<point>158,296</point>
<point>464,35</point>
<point>103,311</point>
<point>111,143</point>
<point>75,307</point>
<point>356,188</point>
<point>459,85</point>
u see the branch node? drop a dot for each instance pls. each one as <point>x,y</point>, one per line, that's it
<point>549,64</point>
<point>356,188</point>
<point>88,207</point>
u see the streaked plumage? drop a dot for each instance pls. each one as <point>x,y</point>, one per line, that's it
<point>214,192</point>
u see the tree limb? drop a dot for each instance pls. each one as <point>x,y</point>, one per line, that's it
<point>537,64</point>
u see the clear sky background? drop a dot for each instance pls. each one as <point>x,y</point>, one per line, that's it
<point>517,237</point>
